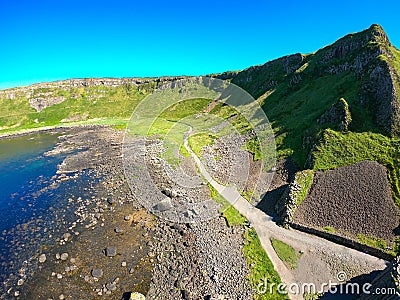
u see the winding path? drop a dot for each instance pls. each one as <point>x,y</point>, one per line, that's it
<point>266,229</point>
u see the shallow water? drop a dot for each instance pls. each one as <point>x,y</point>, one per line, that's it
<point>23,168</point>
<point>34,207</point>
<point>39,206</point>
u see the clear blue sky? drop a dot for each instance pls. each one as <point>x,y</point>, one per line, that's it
<point>42,40</point>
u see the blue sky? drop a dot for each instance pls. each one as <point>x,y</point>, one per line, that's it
<point>46,40</point>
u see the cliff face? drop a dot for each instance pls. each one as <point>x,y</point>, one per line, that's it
<point>368,56</point>
<point>379,92</point>
<point>258,79</point>
<point>43,95</point>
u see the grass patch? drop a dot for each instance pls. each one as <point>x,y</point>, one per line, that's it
<point>231,215</point>
<point>372,241</point>
<point>236,119</point>
<point>199,140</point>
<point>261,266</point>
<point>253,146</point>
<point>304,179</point>
<point>286,253</point>
<point>183,151</point>
<point>329,229</point>
<point>184,109</point>
<point>298,190</point>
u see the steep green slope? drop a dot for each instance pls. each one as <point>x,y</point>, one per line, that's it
<point>297,90</point>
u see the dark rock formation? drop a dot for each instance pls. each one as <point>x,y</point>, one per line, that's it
<point>379,93</point>
<point>293,195</point>
<point>337,115</point>
<point>258,79</point>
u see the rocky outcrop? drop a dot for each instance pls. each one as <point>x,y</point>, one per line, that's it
<point>379,93</point>
<point>338,115</point>
<point>40,103</point>
<point>355,51</point>
<point>258,79</point>
<point>41,95</point>
<point>293,196</point>
<point>88,82</point>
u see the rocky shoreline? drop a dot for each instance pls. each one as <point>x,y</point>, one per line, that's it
<point>112,246</point>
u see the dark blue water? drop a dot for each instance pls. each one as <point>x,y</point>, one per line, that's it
<point>24,170</point>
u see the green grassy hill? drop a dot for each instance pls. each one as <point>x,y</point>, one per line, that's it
<point>296,90</point>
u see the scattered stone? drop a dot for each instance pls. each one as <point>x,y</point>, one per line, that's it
<point>16,293</point>
<point>111,286</point>
<point>42,258</point>
<point>66,236</point>
<point>186,295</point>
<point>61,297</point>
<point>64,256</point>
<point>127,218</point>
<point>72,260</point>
<point>58,256</point>
<point>164,205</point>
<point>123,264</point>
<point>118,230</point>
<point>137,296</point>
<point>20,282</point>
<point>167,192</point>
<point>111,251</point>
<point>97,273</point>
<point>59,276</point>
